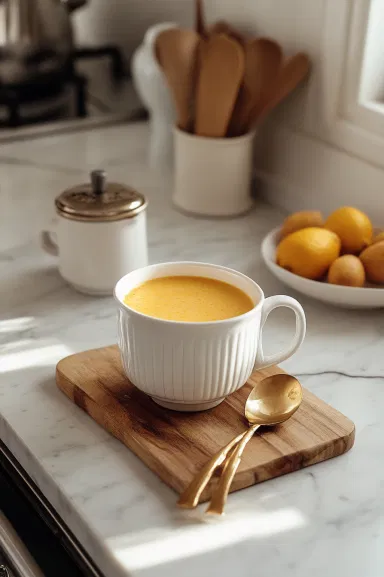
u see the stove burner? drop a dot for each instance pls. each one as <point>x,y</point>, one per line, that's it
<point>36,87</point>
<point>43,98</point>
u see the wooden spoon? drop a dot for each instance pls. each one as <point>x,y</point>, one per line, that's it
<point>262,63</point>
<point>223,27</point>
<point>294,70</point>
<point>220,76</point>
<point>176,52</point>
<point>200,25</point>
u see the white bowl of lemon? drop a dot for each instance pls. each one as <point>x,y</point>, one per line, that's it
<point>339,260</point>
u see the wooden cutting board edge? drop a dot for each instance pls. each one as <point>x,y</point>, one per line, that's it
<point>286,463</point>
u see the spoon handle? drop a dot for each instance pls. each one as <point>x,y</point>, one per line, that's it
<point>220,495</point>
<point>190,497</point>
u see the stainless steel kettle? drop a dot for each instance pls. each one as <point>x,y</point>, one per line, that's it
<point>34,33</point>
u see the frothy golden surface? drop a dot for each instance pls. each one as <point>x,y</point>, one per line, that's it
<point>188,299</point>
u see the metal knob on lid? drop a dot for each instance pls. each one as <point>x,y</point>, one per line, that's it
<point>100,200</point>
<point>99,181</point>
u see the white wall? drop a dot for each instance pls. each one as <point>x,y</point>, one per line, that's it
<point>125,21</point>
<point>305,158</point>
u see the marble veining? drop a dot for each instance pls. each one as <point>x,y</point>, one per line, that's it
<point>325,520</point>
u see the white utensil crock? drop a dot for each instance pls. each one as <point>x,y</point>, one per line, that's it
<point>189,366</point>
<point>98,236</point>
<point>213,175</point>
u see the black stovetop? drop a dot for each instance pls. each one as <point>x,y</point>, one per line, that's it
<point>50,543</point>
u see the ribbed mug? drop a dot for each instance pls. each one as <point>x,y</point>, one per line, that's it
<point>193,366</point>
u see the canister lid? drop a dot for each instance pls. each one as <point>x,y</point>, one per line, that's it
<point>99,200</point>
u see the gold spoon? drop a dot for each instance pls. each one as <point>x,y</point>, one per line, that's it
<point>272,401</point>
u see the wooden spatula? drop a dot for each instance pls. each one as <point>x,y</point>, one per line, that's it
<point>293,71</point>
<point>220,75</point>
<point>176,52</point>
<point>200,25</point>
<point>263,59</point>
<point>223,27</point>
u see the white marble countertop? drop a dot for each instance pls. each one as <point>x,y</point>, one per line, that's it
<point>325,520</point>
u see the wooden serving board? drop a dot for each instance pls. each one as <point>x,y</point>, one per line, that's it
<point>175,445</point>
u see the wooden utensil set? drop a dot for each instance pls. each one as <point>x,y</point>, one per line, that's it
<point>223,84</point>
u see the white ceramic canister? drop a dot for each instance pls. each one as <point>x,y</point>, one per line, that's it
<point>213,175</point>
<point>99,234</point>
<point>152,87</point>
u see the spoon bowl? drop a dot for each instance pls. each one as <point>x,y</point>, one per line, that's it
<point>273,400</point>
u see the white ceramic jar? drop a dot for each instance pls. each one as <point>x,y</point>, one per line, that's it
<point>99,234</point>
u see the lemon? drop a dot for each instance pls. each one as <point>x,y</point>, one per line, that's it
<point>299,220</point>
<point>352,226</point>
<point>308,252</point>
<point>347,270</point>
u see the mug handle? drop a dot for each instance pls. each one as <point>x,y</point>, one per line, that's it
<point>47,239</point>
<point>271,303</point>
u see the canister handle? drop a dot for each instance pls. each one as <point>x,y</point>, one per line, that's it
<point>48,239</point>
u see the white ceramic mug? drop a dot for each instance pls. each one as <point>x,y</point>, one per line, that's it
<point>213,175</point>
<point>193,366</point>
